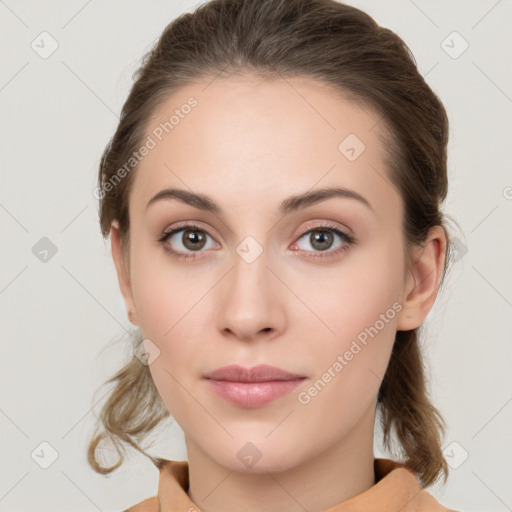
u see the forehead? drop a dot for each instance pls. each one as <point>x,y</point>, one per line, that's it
<point>249,138</point>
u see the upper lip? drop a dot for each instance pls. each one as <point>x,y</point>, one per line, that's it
<point>260,373</point>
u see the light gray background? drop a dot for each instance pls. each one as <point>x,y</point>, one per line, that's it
<point>59,318</point>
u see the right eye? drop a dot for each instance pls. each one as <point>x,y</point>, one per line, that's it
<point>182,242</point>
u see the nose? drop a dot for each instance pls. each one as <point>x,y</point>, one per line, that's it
<point>251,302</point>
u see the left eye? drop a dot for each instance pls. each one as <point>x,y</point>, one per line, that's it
<point>322,238</point>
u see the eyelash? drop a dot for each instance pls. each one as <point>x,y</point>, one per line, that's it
<point>347,239</point>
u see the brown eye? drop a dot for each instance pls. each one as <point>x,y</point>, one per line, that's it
<point>193,239</point>
<point>321,240</point>
<point>185,241</point>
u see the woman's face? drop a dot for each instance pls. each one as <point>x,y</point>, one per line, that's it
<point>265,281</point>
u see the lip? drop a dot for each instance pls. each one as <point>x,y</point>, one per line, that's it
<point>252,387</point>
<point>260,373</point>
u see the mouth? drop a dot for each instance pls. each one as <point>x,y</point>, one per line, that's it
<point>260,373</point>
<point>252,387</point>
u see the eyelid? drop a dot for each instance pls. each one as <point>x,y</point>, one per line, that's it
<point>348,240</point>
<point>191,224</point>
<point>183,226</point>
<point>310,225</point>
<point>322,224</point>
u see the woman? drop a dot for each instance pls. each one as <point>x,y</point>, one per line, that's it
<point>273,194</point>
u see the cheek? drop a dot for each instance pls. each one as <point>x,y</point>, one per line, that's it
<point>350,364</point>
<point>176,371</point>
<point>164,293</point>
<point>357,306</point>
<point>172,314</point>
<point>357,294</point>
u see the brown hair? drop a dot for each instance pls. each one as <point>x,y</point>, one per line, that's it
<point>342,47</point>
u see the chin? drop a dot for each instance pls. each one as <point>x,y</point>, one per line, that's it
<point>256,457</point>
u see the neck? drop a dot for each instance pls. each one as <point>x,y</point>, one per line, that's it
<point>339,473</point>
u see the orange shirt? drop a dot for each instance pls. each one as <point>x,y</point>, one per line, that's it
<point>397,489</point>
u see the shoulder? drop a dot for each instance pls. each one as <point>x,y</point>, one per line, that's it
<point>399,486</point>
<point>425,501</point>
<point>148,505</point>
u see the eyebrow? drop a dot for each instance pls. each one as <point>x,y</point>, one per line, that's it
<point>292,203</point>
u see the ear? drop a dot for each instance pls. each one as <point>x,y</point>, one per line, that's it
<point>123,272</point>
<point>422,282</point>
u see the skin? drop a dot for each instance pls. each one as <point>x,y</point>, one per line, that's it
<point>249,144</point>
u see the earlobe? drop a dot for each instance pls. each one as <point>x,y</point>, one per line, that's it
<point>420,290</point>
<point>123,273</point>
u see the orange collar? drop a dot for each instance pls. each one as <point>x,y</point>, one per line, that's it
<point>397,489</point>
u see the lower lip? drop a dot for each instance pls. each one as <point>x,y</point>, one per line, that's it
<point>253,394</point>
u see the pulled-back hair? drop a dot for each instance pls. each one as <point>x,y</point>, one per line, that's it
<point>337,45</point>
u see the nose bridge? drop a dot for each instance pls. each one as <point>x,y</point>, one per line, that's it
<point>249,301</point>
<point>250,276</point>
